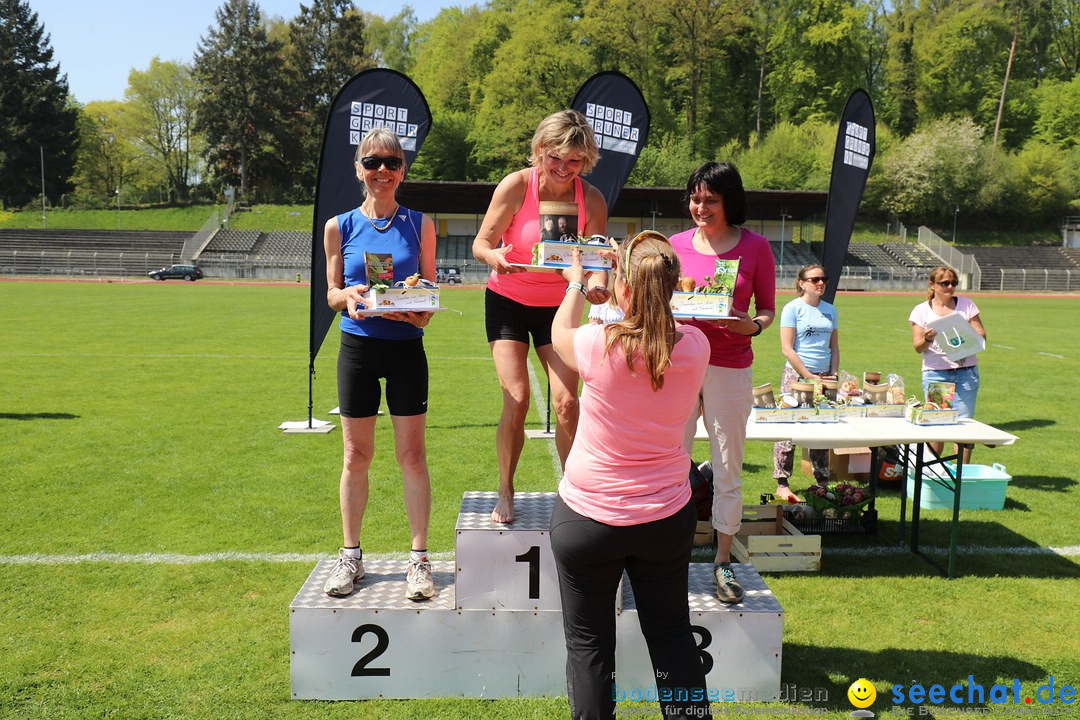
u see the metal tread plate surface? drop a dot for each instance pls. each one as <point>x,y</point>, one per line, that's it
<point>758,598</point>
<point>382,588</point>
<point>532,511</point>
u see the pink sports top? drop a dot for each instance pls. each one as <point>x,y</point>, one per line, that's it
<point>536,289</point>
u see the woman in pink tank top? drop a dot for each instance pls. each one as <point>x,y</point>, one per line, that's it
<point>520,304</point>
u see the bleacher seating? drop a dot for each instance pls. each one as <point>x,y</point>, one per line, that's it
<point>795,254</point>
<point>911,255</point>
<point>88,252</point>
<point>284,243</point>
<point>1032,267</point>
<point>233,241</point>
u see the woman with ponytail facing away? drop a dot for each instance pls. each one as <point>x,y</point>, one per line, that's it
<point>624,499</point>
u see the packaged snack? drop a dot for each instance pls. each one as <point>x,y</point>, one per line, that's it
<point>848,386</point>
<point>763,396</point>
<point>896,389</point>
<point>803,392</point>
<point>940,394</point>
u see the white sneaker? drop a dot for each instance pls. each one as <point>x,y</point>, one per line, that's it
<point>419,584</point>
<point>347,571</point>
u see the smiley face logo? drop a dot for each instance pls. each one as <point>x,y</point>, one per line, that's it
<point>862,693</point>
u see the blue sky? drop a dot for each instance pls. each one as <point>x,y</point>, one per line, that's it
<point>98,43</point>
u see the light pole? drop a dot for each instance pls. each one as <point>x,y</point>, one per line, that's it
<point>44,216</point>
<point>955,213</point>
<point>783,232</point>
<point>117,208</point>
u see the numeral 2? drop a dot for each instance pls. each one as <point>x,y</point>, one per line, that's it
<point>382,641</point>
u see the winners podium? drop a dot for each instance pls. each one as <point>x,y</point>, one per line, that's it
<point>494,628</point>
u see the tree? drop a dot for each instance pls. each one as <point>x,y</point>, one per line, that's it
<point>326,49</point>
<point>935,169</point>
<point>36,114</point>
<point>817,58</point>
<point>391,39</point>
<point>900,108</point>
<point>106,157</point>
<point>162,106</point>
<point>239,110</point>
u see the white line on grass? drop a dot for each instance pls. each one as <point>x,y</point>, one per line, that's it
<point>1003,347</point>
<point>1067,551</point>
<point>182,559</point>
<point>1060,357</point>
<point>541,408</point>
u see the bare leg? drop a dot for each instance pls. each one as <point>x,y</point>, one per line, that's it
<point>411,455</point>
<point>359,441</point>
<point>510,357</point>
<point>723,547</point>
<point>564,399</point>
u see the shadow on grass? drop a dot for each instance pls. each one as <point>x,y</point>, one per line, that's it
<point>466,426</point>
<point>985,549</point>
<point>809,667</point>
<point>1029,424</point>
<point>38,416</point>
<point>1042,482</point>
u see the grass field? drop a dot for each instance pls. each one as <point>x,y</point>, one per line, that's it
<point>142,418</point>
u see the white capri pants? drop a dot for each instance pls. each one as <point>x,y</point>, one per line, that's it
<point>726,399</point>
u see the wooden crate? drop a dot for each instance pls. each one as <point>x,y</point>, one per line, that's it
<point>704,534</point>
<point>772,544</point>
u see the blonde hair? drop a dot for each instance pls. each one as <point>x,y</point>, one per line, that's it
<point>936,275</point>
<point>802,276</point>
<point>382,138</point>
<point>565,131</point>
<point>651,270</point>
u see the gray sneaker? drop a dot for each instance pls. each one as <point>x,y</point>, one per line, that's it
<point>347,571</point>
<point>728,589</point>
<point>419,584</point>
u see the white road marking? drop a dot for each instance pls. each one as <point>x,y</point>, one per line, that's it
<point>1060,357</point>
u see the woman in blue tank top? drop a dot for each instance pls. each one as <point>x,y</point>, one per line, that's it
<point>388,347</point>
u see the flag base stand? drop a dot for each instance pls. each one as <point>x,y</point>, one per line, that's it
<point>306,427</point>
<point>540,434</point>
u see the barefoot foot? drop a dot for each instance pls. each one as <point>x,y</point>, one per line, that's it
<point>783,492</point>
<point>504,510</point>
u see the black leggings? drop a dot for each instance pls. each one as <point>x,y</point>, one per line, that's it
<point>591,557</point>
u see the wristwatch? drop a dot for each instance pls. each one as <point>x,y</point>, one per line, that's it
<point>759,330</point>
<point>577,286</point>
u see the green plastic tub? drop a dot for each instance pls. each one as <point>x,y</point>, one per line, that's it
<point>984,489</point>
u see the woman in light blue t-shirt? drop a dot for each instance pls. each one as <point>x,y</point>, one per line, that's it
<point>808,338</point>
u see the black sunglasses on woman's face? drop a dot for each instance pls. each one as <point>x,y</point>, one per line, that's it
<point>948,283</point>
<point>372,162</point>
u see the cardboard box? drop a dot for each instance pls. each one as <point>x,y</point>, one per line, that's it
<point>698,304</point>
<point>558,254</point>
<point>773,415</point>
<point>922,416</point>
<point>413,298</point>
<point>704,533</point>
<point>772,544</point>
<point>886,411</point>
<point>851,411</point>
<point>845,464</point>
<point>817,414</point>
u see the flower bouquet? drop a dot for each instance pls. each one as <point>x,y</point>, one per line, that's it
<point>840,501</point>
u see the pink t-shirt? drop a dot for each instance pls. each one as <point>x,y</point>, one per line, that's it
<point>535,289</point>
<point>932,357</point>
<point>628,465</point>
<point>757,279</point>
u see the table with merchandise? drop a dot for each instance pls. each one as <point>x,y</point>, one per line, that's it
<point>947,469</point>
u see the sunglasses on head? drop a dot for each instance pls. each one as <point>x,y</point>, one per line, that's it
<point>372,162</point>
<point>817,279</point>
<point>948,283</point>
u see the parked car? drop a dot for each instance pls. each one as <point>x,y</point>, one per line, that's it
<point>448,276</point>
<point>176,272</point>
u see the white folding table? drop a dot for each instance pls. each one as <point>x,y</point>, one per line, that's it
<point>875,432</point>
